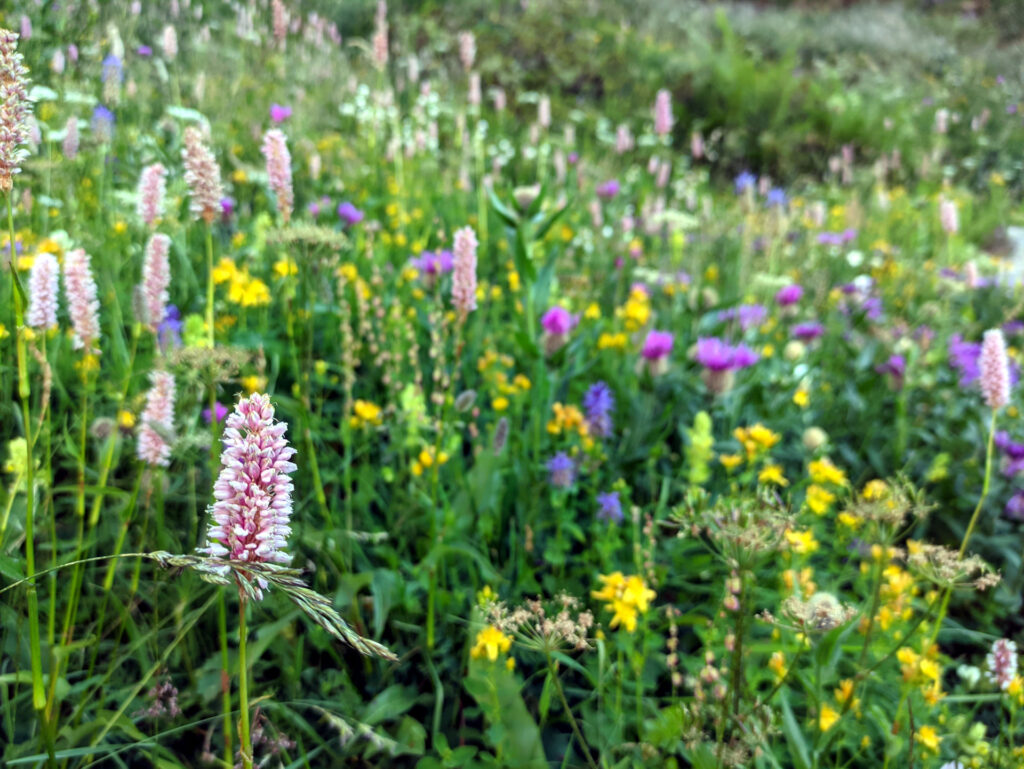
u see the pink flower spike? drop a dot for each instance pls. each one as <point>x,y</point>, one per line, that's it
<point>42,289</point>
<point>157,423</point>
<point>250,518</point>
<point>156,277</point>
<point>995,369</point>
<point>464,271</point>
<point>152,188</point>
<point>202,174</point>
<point>663,113</point>
<point>83,307</point>
<point>279,171</point>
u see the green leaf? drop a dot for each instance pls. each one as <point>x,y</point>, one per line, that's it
<point>794,737</point>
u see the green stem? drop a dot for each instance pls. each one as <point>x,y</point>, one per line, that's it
<point>225,680</point>
<point>568,711</point>
<point>243,688</point>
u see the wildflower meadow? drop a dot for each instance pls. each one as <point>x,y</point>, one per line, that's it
<point>553,383</point>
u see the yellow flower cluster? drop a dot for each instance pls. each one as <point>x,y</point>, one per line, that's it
<point>636,311</point>
<point>756,439</point>
<point>243,289</point>
<point>569,419</point>
<point>427,458</point>
<point>823,473</point>
<point>627,598</point>
<point>612,341</point>
<point>364,414</point>
<point>490,642</point>
<point>922,670</point>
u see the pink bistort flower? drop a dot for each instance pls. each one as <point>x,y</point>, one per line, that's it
<point>83,307</point>
<point>202,174</point>
<point>42,292</point>
<point>152,188</point>
<point>157,422</point>
<point>279,171</point>
<point>663,113</point>
<point>1002,663</point>
<point>464,271</point>
<point>250,518</point>
<point>156,277</point>
<point>995,369</point>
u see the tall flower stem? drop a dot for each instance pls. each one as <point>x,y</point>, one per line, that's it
<point>225,680</point>
<point>553,673</point>
<point>947,594</point>
<point>243,688</point>
<point>24,394</point>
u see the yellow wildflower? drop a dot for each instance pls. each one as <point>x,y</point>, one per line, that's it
<point>254,383</point>
<point>730,461</point>
<point>772,474</point>
<point>823,471</point>
<point>125,419</point>
<point>827,718</point>
<point>612,341</point>
<point>224,271</point>
<point>801,398</point>
<point>819,499</point>
<point>490,642</point>
<point>929,738</point>
<point>627,597</point>
<point>285,267</point>
<point>802,542</point>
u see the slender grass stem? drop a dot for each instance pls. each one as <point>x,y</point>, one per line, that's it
<point>243,688</point>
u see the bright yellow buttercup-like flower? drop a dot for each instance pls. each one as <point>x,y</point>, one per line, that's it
<point>823,471</point>
<point>772,474</point>
<point>819,499</point>
<point>490,643</point>
<point>627,598</point>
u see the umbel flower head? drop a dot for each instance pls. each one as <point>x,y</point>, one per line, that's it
<point>15,109</point>
<point>250,518</point>
<point>202,174</point>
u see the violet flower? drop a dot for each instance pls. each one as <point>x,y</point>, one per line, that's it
<point>349,214</point>
<point>279,113</point>
<point>599,402</point>
<point>609,507</point>
<point>561,470</point>
<point>789,295</point>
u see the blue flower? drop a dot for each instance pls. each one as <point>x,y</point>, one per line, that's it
<point>112,68</point>
<point>599,402</point>
<point>744,182</point>
<point>610,508</point>
<point>562,470</point>
<point>102,123</point>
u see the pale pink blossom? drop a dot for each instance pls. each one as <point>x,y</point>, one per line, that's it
<point>151,192</point>
<point>83,306</point>
<point>42,290</point>
<point>473,96</point>
<point>464,271</point>
<point>663,113</point>
<point>1002,663</point>
<point>544,112</point>
<point>70,144</point>
<point>15,109</point>
<point>279,21</point>
<point>202,174</point>
<point>948,217</point>
<point>467,50</point>
<point>169,42</point>
<point>156,277</point>
<point>250,518</point>
<point>995,369</point>
<point>157,422</point>
<point>279,171</point>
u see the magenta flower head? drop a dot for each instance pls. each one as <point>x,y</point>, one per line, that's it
<point>279,171</point>
<point>42,290</point>
<point>714,354</point>
<point>156,277</point>
<point>152,189</point>
<point>83,307</point>
<point>221,412</point>
<point>253,493</point>
<point>655,352</point>
<point>608,189</point>
<point>279,113</point>
<point>995,369</point>
<point>349,214</point>
<point>202,174</point>
<point>720,360</point>
<point>157,423</point>
<point>557,323</point>
<point>15,109</point>
<point>464,272</point>
<point>790,295</point>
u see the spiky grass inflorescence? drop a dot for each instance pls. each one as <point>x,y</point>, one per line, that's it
<point>202,174</point>
<point>15,109</point>
<point>995,369</point>
<point>464,271</point>
<point>152,189</point>
<point>83,307</point>
<point>157,422</point>
<point>156,277</point>
<point>42,290</point>
<point>279,171</point>
<point>250,519</point>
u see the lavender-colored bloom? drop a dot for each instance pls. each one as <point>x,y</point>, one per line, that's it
<point>657,345</point>
<point>430,263</point>
<point>349,213</point>
<point>748,315</point>
<point>227,207</point>
<point>1015,507</point>
<point>222,411</point>
<point>561,471</point>
<point>776,197</point>
<point>807,332</point>
<point>102,124</point>
<point>714,354</point>
<point>557,321</point>
<point>599,403</point>
<point>279,113</point>
<point>744,182</point>
<point>169,331</point>
<point>1009,447</point>
<point>744,356</point>
<point>608,189</point>
<point>963,356</point>
<point>112,69</point>
<point>789,295</point>
<point>573,158</point>
<point>609,507</point>
<point>144,50</point>
<point>895,367</point>
<point>250,519</point>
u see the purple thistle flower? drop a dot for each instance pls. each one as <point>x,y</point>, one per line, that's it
<point>658,345</point>
<point>744,356</point>
<point>963,356</point>
<point>714,354</point>
<point>609,507</point>
<point>789,295</point>
<point>557,321</point>
<point>599,402</point>
<point>222,411</point>
<point>895,367</point>
<point>608,189</point>
<point>562,470</point>
<point>250,519</point>
<point>1015,507</point>
<point>748,315</point>
<point>433,264</point>
<point>144,50</point>
<point>279,113</point>
<point>349,213</point>
<point>807,332</point>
